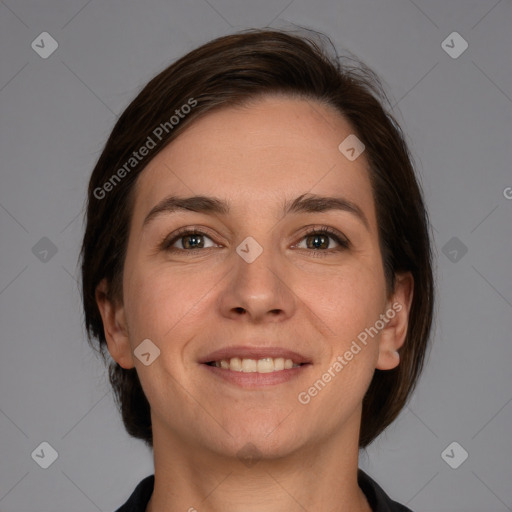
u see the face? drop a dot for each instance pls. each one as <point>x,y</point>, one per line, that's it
<point>272,274</point>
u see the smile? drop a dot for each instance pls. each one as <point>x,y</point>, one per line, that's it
<point>263,365</point>
<point>253,367</point>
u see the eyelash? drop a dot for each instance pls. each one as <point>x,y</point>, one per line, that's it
<point>166,244</point>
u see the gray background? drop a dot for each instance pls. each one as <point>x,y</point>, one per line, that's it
<point>56,115</point>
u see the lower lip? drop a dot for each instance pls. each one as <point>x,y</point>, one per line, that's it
<point>256,380</point>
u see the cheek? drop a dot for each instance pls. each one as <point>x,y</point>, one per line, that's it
<point>161,301</point>
<point>349,303</point>
<point>349,299</point>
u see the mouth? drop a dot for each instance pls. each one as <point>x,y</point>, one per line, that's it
<point>263,365</point>
<point>253,367</point>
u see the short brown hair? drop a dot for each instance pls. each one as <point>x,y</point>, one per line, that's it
<point>229,71</point>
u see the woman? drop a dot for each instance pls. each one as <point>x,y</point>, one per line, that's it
<point>257,262</point>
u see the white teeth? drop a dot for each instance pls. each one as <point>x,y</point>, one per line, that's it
<point>278,363</point>
<point>249,365</point>
<point>264,365</point>
<point>235,364</point>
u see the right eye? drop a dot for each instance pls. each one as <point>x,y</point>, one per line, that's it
<point>187,240</point>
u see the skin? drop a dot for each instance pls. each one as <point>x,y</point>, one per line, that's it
<point>255,157</point>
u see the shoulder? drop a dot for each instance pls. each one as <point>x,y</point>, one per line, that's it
<point>379,501</point>
<point>139,498</point>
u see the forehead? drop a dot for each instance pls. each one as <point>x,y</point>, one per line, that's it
<point>258,156</point>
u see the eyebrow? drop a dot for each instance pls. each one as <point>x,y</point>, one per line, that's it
<point>305,203</point>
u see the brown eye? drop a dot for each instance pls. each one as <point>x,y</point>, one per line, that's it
<point>194,241</point>
<point>320,239</point>
<point>188,240</point>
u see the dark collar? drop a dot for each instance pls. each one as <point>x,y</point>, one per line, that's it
<point>379,501</point>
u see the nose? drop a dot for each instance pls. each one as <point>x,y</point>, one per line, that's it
<point>259,291</point>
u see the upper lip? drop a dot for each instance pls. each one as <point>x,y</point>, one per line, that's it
<point>253,352</point>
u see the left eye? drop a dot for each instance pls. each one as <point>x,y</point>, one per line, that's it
<point>320,240</point>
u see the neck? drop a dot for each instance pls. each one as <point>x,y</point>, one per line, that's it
<point>321,476</point>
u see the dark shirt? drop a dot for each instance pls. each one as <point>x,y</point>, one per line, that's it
<point>379,501</point>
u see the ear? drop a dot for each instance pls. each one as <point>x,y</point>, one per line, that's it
<point>114,325</point>
<point>394,333</point>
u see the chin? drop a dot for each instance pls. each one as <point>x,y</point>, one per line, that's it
<point>266,440</point>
